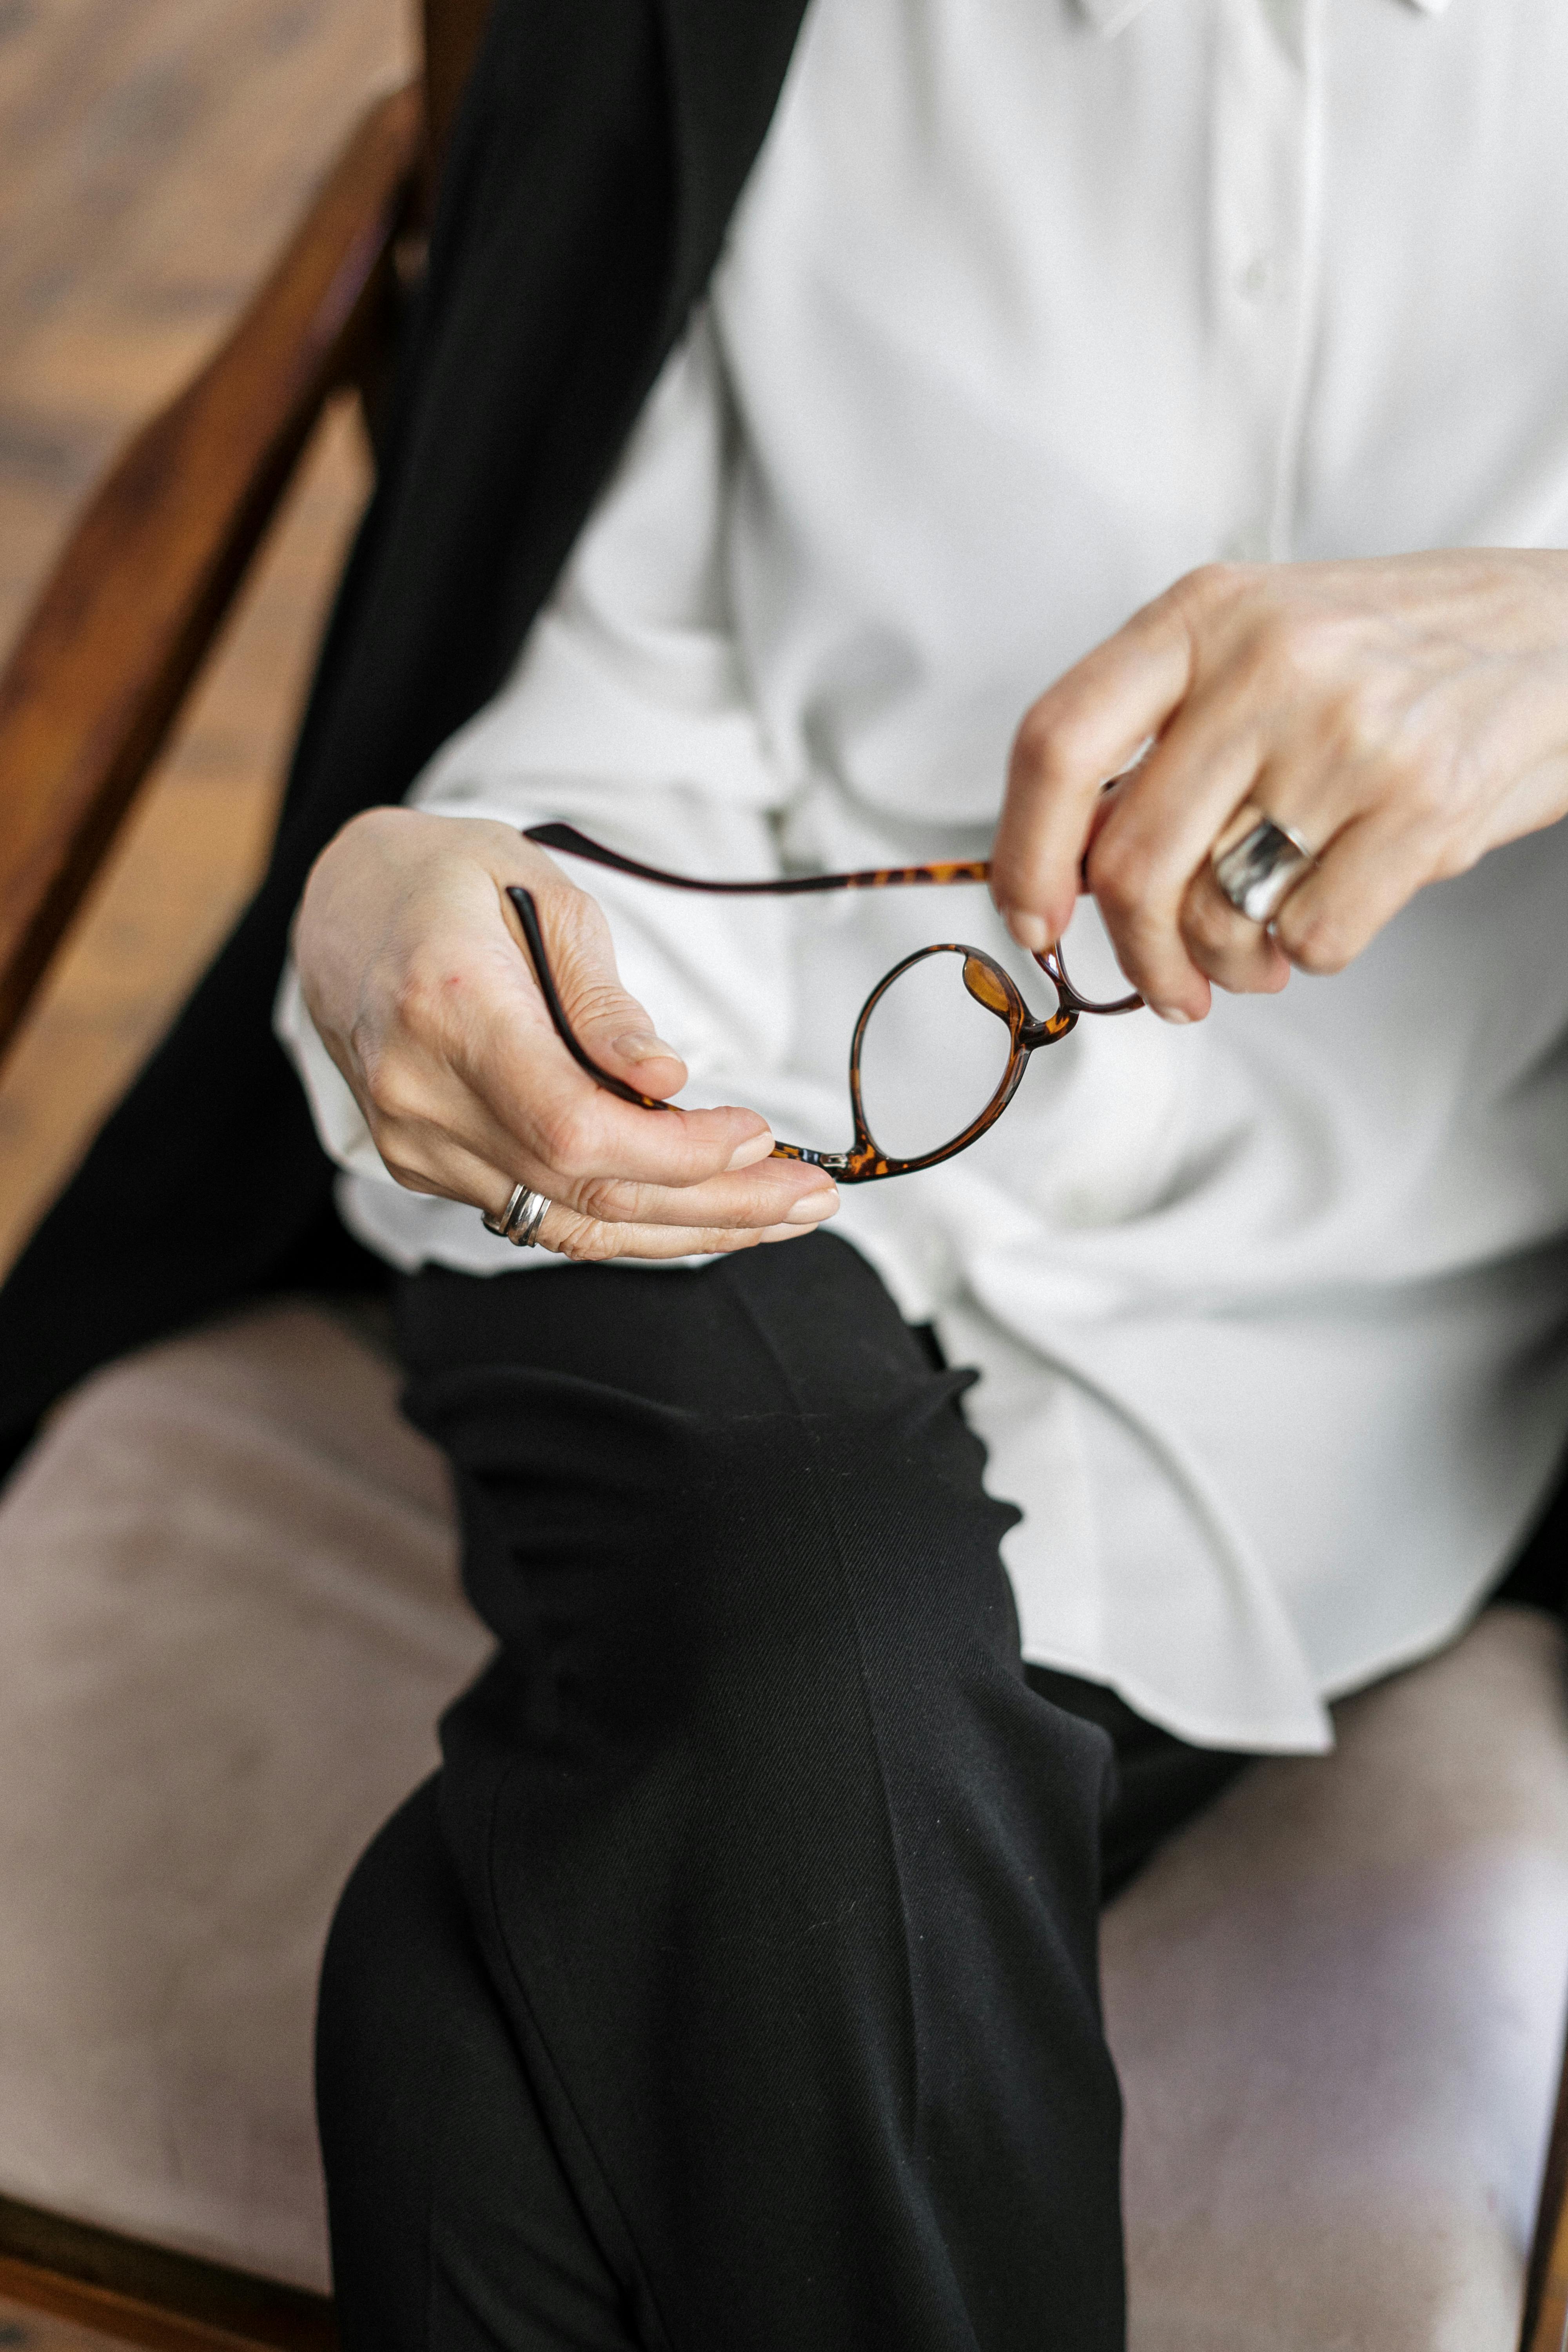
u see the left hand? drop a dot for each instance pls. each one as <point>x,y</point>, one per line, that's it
<point>1401,715</point>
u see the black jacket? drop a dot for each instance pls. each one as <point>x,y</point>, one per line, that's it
<point>599,154</point>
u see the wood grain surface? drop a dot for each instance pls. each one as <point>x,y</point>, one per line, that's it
<point>154,157</point>
<point>1545,2327</point>
<point>22,2330</point>
<point>147,574</point>
<point>60,2315</point>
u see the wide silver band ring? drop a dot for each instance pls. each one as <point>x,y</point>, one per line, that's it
<point>1259,872</point>
<point>520,1221</point>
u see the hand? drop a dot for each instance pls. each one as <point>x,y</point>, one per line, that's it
<point>1402,714</point>
<point>414,970</point>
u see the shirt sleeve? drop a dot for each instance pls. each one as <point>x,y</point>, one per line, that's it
<point>630,685</point>
<point>627,714</point>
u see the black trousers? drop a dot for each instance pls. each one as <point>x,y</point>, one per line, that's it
<point>733,1987</point>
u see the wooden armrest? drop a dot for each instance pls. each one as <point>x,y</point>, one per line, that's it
<point>147,2297</point>
<point>1545,2327</point>
<point>148,571</point>
<point>138,2294</point>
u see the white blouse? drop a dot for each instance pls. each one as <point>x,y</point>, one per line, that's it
<point>1029,307</point>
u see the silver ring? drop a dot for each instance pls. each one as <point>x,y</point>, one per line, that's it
<point>1260,870</point>
<point>520,1221</point>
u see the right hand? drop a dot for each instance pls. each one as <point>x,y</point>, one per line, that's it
<point>414,970</point>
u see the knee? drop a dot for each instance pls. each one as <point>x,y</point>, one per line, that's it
<point>688,1553</point>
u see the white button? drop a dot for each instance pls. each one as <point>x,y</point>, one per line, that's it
<point>1248,545</point>
<point>1257,277</point>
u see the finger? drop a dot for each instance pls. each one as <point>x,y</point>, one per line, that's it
<point>1109,794</point>
<point>1317,797</point>
<point>1157,838</point>
<point>744,1203</point>
<point>608,1022</point>
<point>589,1240</point>
<point>1085,728</point>
<point>433,1123</point>
<point>558,1132</point>
<point>1369,871</point>
<point>752,1199</point>
<point>1227,946</point>
<point>766,1194</point>
<point>1231,949</point>
<point>472,1070</point>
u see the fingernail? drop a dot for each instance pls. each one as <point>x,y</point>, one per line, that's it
<point>642,1046</point>
<point>1030,930</point>
<point>814,1207</point>
<point>770,1234</point>
<point>1174,1014</point>
<point>755,1147</point>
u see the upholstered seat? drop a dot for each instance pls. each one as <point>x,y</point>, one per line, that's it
<point>1336,2003</point>
<point>229,1619</point>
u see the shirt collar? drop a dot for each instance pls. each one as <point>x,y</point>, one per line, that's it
<point>1109,17</point>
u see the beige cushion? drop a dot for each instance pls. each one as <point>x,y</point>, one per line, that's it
<point>1336,2003</point>
<point>228,1620</point>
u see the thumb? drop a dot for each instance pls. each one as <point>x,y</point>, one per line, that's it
<point>609,1021</point>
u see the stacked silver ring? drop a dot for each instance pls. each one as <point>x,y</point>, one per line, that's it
<point>1260,870</point>
<point>520,1221</point>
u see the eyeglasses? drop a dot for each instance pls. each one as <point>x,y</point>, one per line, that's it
<point>943,1041</point>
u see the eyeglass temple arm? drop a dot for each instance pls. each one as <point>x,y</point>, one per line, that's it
<point>573,844</point>
<point>528,915</point>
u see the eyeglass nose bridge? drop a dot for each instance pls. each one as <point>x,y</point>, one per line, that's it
<point>990,986</point>
<point>1069,998</point>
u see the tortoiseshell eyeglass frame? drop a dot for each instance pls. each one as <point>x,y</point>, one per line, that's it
<point>864,1163</point>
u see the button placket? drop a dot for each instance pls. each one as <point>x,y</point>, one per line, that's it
<point>1265,230</point>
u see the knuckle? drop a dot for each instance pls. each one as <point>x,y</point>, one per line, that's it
<point>417,998</point>
<point>1356,727</point>
<point>585,1242</point>
<point>410,1173</point>
<point>1117,878</point>
<point>1209,927</point>
<point>609,1198</point>
<point>573,919</point>
<point>1052,745</point>
<point>1208,584</point>
<point>1424,793</point>
<point>598,1002</point>
<point>1316,943</point>
<point>1206,601</point>
<point>722,1241</point>
<point>1033,736</point>
<point>561,1129</point>
<point>1455,853</point>
<point>393,1090</point>
<point>1300,660</point>
<point>1280,655</point>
